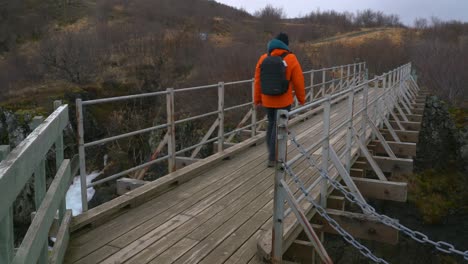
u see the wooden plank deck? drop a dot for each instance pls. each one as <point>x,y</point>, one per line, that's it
<point>216,217</point>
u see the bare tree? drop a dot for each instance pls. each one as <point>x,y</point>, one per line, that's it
<point>420,23</point>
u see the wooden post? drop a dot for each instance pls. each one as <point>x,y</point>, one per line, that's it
<point>349,135</point>
<point>40,189</point>
<point>279,191</point>
<point>6,224</point>
<point>171,143</point>
<point>324,77</point>
<point>354,74</point>
<point>254,112</point>
<point>221,116</point>
<point>341,77</point>
<point>82,154</point>
<point>59,156</point>
<point>384,81</point>
<point>364,114</point>
<point>311,86</point>
<point>348,73</point>
<point>325,149</point>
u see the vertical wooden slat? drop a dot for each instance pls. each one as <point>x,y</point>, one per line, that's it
<point>59,156</point>
<point>341,77</point>
<point>221,116</point>
<point>82,153</point>
<point>348,75</point>
<point>63,236</point>
<point>254,112</point>
<point>171,144</point>
<point>6,224</point>
<point>364,113</point>
<point>311,93</point>
<point>40,189</point>
<point>354,74</point>
<point>279,192</point>
<point>349,135</point>
<point>325,149</point>
<point>324,77</point>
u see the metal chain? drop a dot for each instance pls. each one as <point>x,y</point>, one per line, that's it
<point>321,211</point>
<point>415,235</point>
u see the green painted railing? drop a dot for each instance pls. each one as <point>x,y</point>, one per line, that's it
<point>16,168</point>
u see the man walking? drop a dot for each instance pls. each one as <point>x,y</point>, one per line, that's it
<point>278,72</point>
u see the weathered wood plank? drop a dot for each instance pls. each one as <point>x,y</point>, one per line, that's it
<point>406,136</point>
<point>336,202</point>
<point>19,166</point>
<point>356,173</point>
<point>237,238</point>
<point>245,252</point>
<point>399,148</point>
<point>412,118</point>
<point>96,256</point>
<point>223,210</point>
<point>394,165</point>
<point>125,185</point>
<point>37,233</point>
<point>6,223</point>
<point>412,126</point>
<point>159,186</point>
<point>211,224</point>
<point>176,251</point>
<point>146,240</point>
<point>61,243</point>
<point>383,190</point>
<point>361,226</point>
<point>202,187</point>
<point>184,161</point>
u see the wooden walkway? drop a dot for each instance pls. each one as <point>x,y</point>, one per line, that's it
<point>217,217</point>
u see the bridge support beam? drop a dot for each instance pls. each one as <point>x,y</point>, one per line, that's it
<point>360,226</point>
<point>399,148</point>
<point>125,185</point>
<point>411,118</point>
<point>405,136</point>
<point>412,126</point>
<point>336,202</point>
<point>382,190</point>
<point>393,165</point>
<point>184,161</point>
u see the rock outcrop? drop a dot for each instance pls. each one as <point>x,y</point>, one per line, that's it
<point>441,142</point>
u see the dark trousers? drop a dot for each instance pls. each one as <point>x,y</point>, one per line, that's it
<point>271,131</point>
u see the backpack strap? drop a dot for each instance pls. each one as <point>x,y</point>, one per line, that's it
<point>285,54</point>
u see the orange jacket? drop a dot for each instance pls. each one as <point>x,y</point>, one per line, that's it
<point>296,81</point>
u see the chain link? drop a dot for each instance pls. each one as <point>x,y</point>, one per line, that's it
<point>321,211</point>
<point>415,235</point>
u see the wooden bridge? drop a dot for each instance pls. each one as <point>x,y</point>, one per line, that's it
<point>226,208</point>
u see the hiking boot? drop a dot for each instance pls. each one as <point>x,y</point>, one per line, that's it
<point>271,164</point>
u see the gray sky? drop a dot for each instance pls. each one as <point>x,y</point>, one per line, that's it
<point>408,10</point>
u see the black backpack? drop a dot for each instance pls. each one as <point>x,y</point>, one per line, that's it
<point>273,75</point>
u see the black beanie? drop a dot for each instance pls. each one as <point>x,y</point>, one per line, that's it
<point>283,37</point>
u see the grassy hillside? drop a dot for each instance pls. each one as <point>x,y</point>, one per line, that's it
<point>112,47</point>
<point>54,48</point>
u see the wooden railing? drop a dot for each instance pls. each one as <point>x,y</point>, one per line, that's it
<point>28,160</point>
